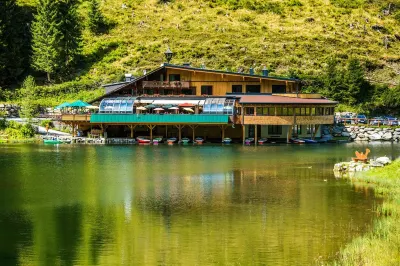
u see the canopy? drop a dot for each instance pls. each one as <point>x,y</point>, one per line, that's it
<point>150,106</point>
<point>141,108</point>
<point>188,109</point>
<point>186,105</point>
<point>167,106</point>
<point>174,108</point>
<point>92,107</point>
<point>78,103</point>
<point>63,105</point>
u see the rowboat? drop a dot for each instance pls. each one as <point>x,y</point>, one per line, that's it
<point>262,140</point>
<point>227,140</point>
<point>171,140</point>
<point>249,140</point>
<point>52,141</point>
<point>199,140</point>
<point>143,141</point>
<point>157,140</point>
<point>185,140</point>
<point>310,141</point>
<point>297,141</point>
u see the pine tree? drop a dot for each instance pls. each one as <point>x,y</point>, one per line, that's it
<point>46,37</point>
<point>70,29</point>
<point>14,41</point>
<point>95,22</point>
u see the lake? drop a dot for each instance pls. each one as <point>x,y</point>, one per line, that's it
<point>181,205</point>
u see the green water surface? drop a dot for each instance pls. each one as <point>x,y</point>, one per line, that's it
<point>179,205</point>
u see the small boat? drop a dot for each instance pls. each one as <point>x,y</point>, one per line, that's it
<point>52,141</point>
<point>199,140</point>
<point>249,140</point>
<point>185,140</point>
<point>262,141</point>
<point>143,141</point>
<point>297,141</point>
<point>171,140</point>
<point>310,141</point>
<point>157,140</point>
<point>227,140</point>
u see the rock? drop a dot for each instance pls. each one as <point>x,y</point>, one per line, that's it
<point>345,134</point>
<point>353,135</point>
<point>375,164</point>
<point>361,135</point>
<point>375,137</point>
<point>359,168</point>
<point>397,129</point>
<point>383,160</point>
<point>387,136</point>
<point>378,129</point>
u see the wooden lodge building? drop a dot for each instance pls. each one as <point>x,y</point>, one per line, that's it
<point>184,101</point>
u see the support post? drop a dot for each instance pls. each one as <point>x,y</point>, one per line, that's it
<point>166,131</point>
<point>316,130</point>
<point>73,130</point>
<point>289,133</point>
<point>180,132</point>
<point>132,127</point>
<point>223,132</point>
<point>193,133</point>
<point>243,133</point>
<point>255,135</point>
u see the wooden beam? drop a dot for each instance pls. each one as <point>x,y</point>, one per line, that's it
<point>243,133</point>
<point>255,135</point>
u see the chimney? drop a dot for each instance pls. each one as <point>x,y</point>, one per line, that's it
<point>187,64</point>
<point>251,71</point>
<point>265,71</point>
<point>129,77</point>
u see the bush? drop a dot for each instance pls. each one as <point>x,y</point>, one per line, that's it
<point>47,122</point>
<point>347,3</point>
<point>27,131</point>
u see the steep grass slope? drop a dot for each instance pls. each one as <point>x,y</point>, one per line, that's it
<point>288,36</point>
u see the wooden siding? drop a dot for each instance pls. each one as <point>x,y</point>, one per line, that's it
<point>222,83</point>
<point>288,120</point>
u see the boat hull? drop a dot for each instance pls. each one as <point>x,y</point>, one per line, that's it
<point>51,141</point>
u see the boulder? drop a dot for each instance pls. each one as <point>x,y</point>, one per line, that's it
<point>361,135</point>
<point>397,129</point>
<point>387,136</point>
<point>383,160</point>
<point>375,137</point>
<point>374,163</point>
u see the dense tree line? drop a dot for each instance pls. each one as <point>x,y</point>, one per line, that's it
<point>47,39</point>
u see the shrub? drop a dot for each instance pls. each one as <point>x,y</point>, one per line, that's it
<point>27,131</point>
<point>47,122</point>
<point>347,3</point>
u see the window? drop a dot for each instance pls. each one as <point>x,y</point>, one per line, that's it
<point>206,90</point>
<point>275,130</point>
<point>249,110</point>
<point>271,111</point>
<point>253,88</point>
<point>278,88</point>
<point>237,88</point>
<point>296,130</point>
<point>259,111</point>
<point>174,77</point>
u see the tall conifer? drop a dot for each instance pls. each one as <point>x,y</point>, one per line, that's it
<point>95,22</point>
<point>46,37</point>
<point>70,31</point>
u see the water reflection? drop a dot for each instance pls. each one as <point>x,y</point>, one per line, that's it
<point>177,205</point>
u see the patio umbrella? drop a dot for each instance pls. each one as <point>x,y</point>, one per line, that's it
<point>167,106</point>
<point>174,108</point>
<point>92,107</point>
<point>63,105</point>
<point>141,108</point>
<point>188,109</point>
<point>186,105</point>
<point>150,106</point>
<point>158,109</point>
<point>78,103</point>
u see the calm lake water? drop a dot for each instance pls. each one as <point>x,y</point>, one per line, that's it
<point>181,205</point>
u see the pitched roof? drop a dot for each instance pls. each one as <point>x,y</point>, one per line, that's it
<point>281,100</point>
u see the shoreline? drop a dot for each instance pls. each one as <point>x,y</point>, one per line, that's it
<point>381,246</point>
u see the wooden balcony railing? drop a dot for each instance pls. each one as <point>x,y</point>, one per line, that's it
<point>75,117</point>
<point>166,84</point>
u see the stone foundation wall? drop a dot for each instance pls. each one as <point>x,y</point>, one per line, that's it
<point>11,110</point>
<point>365,133</point>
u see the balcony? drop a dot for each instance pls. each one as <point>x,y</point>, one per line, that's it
<point>76,117</point>
<point>159,119</point>
<point>288,120</point>
<point>166,84</point>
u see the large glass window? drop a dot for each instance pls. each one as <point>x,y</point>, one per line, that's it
<point>174,77</point>
<point>253,88</point>
<point>278,88</point>
<point>274,130</point>
<point>206,90</point>
<point>117,105</point>
<point>219,106</point>
<point>237,88</point>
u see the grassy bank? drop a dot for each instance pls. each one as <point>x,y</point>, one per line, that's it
<point>382,245</point>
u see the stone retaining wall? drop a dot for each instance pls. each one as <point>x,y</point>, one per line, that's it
<point>365,133</point>
<point>11,110</point>
<point>348,169</point>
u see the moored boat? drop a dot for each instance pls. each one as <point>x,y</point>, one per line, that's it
<point>297,141</point>
<point>52,141</point>
<point>249,140</point>
<point>227,140</point>
<point>157,140</point>
<point>143,141</point>
<point>262,140</point>
<point>185,140</point>
<point>199,140</point>
<point>310,141</point>
<point>171,140</point>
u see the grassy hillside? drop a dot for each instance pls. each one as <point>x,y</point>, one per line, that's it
<point>288,36</point>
